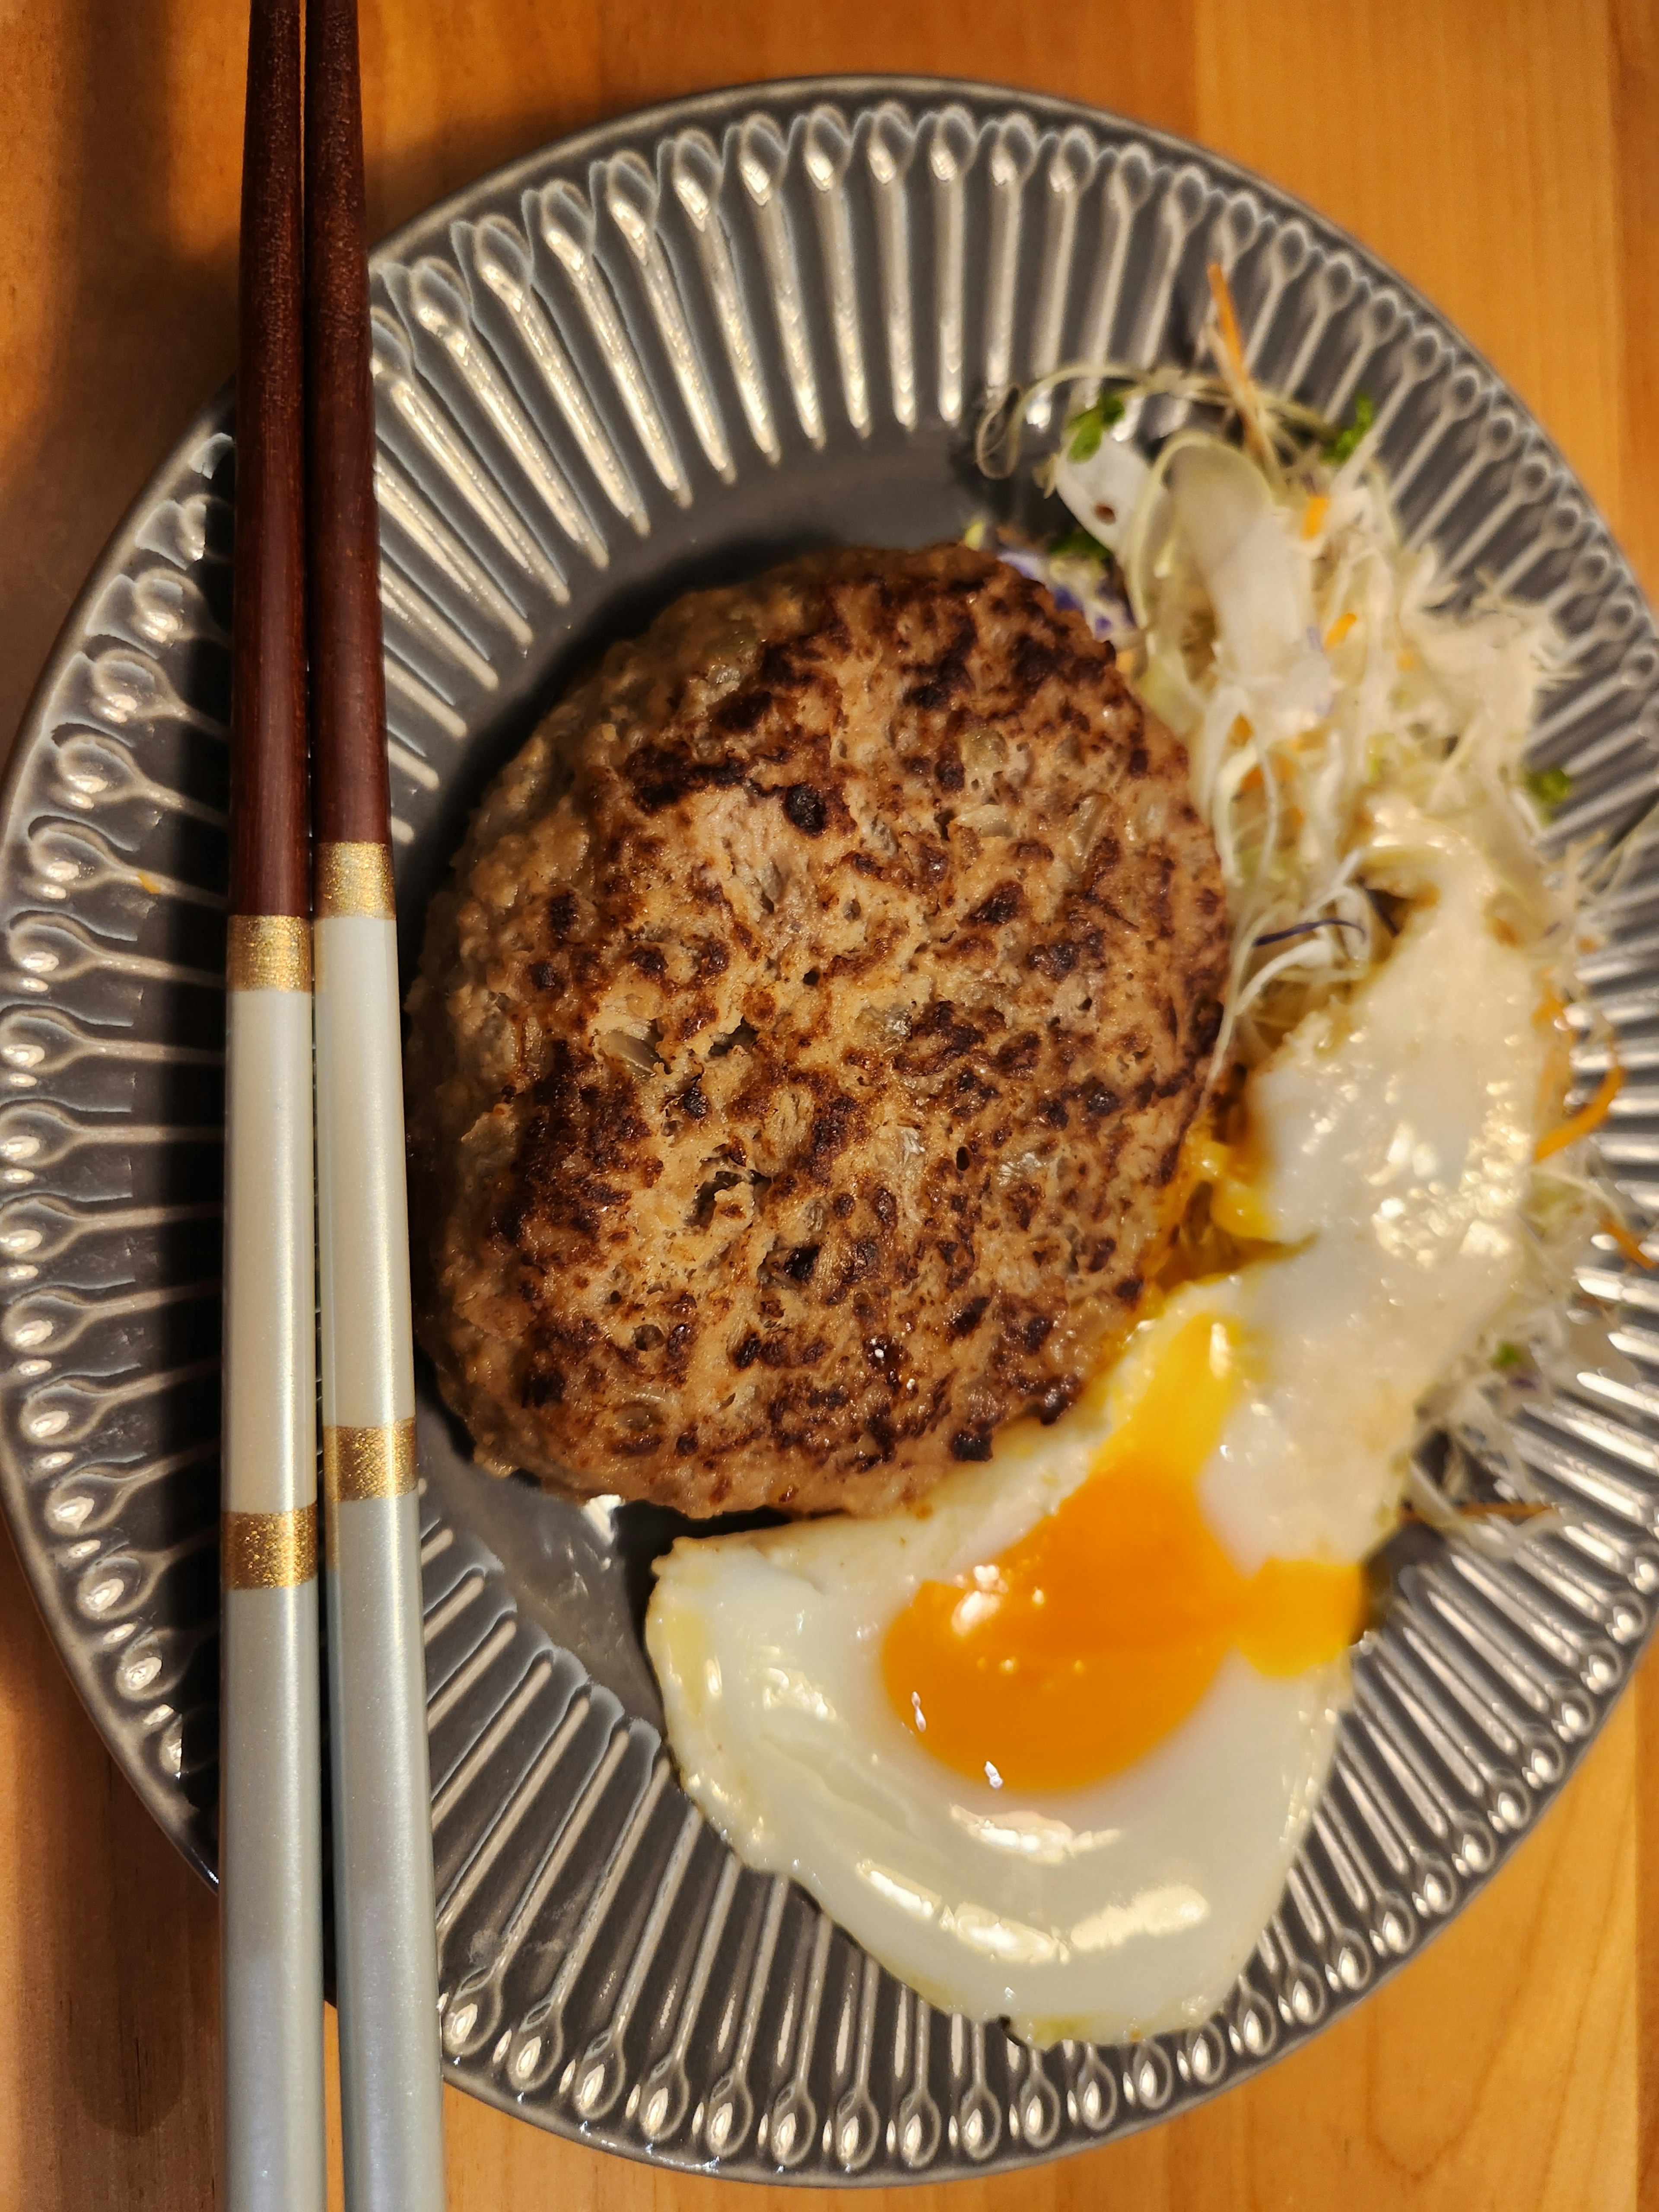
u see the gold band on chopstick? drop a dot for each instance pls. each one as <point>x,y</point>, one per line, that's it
<point>268,952</point>
<point>353,879</point>
<point>268,1550</point>
<point>376,1462</point>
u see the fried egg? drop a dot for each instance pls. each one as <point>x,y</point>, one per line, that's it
<point>1047,1743</point>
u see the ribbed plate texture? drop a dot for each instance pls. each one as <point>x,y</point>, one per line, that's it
<point>665,353</point>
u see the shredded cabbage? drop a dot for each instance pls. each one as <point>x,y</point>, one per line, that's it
<point>1276,621</point>
<point>1246,564</point>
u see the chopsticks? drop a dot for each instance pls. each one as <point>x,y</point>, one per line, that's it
<point>270,1820</point>
<point>304,410</point>
<point>385,1942</point>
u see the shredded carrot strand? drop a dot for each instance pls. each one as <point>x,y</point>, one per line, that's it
<point>1234,372</point>
<point>1499,1508</point>
<point>1313,515</point>
<point>1625,1242</point>
<point>1587,1119</point>
<point>1340,629</point>
<point>1221,294</point>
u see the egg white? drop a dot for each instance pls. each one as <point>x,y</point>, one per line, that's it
<point>1395,1134</point>
<point>1101,1913</point>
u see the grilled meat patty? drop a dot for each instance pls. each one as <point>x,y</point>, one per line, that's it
<point>801,1054</point>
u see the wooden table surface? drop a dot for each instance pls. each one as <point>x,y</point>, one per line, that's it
<point>1505,154</point>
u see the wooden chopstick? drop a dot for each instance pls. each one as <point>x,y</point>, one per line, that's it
<point>385,1950</point>
<point>270,1823</point>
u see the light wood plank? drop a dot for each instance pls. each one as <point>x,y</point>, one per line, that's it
<point>1507,159</point>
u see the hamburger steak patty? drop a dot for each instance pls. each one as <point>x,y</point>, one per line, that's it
<point>803,1048</point>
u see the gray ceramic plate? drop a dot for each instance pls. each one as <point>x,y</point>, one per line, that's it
<point>672,350</point>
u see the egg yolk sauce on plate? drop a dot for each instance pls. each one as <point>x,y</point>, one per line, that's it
<point>1046,1743</point>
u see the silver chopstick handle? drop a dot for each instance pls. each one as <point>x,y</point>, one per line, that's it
<point>385,1940</point>
<point>270,1819</point>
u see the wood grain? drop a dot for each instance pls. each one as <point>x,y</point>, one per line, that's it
<point>1505,154</point>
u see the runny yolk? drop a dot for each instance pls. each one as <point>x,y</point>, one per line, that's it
<point>1094,1636</point>
<point>1235,1205</point>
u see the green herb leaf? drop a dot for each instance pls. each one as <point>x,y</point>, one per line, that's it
<point>1550,787</point>
<point>1508,1355</point>
<point>1079,544</point>
<point>1088,428</point>
<point>1345,441</point>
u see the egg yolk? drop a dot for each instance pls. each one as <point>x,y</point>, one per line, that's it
<point>1234,1203</point>
<point>1094,1636</point>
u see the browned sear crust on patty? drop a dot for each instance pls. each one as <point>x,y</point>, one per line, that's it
<point>803,1048</point>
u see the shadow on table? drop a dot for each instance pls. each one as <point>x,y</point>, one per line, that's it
<point>107,1944</point>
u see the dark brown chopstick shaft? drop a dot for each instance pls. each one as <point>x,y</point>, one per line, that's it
<point>348,687</point>
<point>270,871</point>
